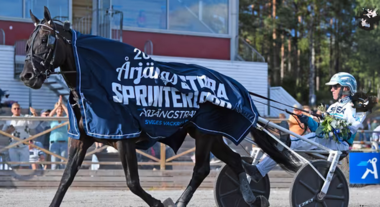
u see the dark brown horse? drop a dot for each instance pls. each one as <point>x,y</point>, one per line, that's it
<point>50,47</point>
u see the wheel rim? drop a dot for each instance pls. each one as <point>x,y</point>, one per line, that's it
<point>307,185</point>
<point>227,193</point>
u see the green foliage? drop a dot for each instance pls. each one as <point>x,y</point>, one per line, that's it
<point>303,44</point>
<point>338,43</point>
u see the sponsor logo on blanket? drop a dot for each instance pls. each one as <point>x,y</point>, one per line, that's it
<point>188,95</point>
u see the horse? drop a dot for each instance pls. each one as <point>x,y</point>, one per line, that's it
<point>50,46</point>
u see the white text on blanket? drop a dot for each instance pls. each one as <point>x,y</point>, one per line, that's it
<point>147,95</point>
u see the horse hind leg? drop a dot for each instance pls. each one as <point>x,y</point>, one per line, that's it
<point>127,152</point>
<point>77,152</point>
<point>201,169</point>
<point>233,160</point>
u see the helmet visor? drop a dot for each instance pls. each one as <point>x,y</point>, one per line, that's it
<point>331,83</point>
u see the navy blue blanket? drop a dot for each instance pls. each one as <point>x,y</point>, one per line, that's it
<point>124,94</point>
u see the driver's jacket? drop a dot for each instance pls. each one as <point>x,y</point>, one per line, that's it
<point>343,109</point>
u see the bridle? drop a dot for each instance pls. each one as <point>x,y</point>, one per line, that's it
<point>46,59</point>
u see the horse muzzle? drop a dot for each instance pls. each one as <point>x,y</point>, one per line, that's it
<point>32,81</point>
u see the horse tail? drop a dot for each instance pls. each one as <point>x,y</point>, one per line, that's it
<point>284,158</point>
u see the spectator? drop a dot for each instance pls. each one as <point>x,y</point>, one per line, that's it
<point>294,123</point>
<point>374,125</point>
<point>307,108</point>
<point>98,145</point>
<point>361,133</point>
<point>368,127</point>
<point>58,137</point>
<point>155,151</point>
<point>43,126</point>
<point>3,94</point>
<point>20,129</point>
<point>284,124</point>
<point>36,155</point>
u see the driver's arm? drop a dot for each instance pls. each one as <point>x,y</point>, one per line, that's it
<point>309,122</point>
<point>312,124</point>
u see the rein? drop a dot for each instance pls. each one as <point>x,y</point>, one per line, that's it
<point>263,97</point>
<point>285,110</point>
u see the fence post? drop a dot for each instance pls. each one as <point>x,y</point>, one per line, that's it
<point>163,157</point>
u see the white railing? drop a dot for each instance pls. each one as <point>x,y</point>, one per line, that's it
<point>247,52</point>
<point>107,23</point>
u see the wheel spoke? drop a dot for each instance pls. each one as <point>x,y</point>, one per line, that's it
<point>237,204</point>
<point>308,187</point>
<point>229,192</point>
<point>334,197</point>
<point>256,191</point>
<point>232,179</point>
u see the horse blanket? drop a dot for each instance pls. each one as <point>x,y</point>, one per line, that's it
<point>124,93</point>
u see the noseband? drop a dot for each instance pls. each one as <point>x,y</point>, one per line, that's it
<point>46,59</point>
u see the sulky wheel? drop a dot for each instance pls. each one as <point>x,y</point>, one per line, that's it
<point>344,167</point>
<point>307,185</point>
<point>226,190</point>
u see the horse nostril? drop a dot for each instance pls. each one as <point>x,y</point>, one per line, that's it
<point>27,76</point>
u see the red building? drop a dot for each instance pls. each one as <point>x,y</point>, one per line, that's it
<point>203,32</point>
<point>179,28</point>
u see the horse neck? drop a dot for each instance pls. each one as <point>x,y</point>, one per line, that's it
<point>69,65</point>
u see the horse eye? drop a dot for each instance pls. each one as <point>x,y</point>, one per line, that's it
<point>44,40</point>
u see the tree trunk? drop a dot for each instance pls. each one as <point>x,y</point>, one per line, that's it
<point>289,60</point>
<point>331,69</point>
<point>312,96</point>
<point>337,52</point>
<point>274,50</point>
<point>318,59</point>
<point>298,81</point>
<point>282,57</point>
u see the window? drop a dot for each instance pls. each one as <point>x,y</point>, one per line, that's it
<point>11,8</point>
<point>210,16</point>
<point>58,9</point>
<point>20,8</point>
<point>204,16</point>
<point>149,14</point>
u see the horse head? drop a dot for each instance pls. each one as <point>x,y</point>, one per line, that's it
<point>48,47</point>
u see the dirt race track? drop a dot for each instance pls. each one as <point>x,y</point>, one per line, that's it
<point>360,197</point>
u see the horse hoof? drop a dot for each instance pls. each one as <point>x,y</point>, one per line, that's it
<point>169,203</point>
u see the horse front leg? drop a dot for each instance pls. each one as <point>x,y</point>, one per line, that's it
<point>127,152</point>
<point>201,169</point>
<point>77,152</point>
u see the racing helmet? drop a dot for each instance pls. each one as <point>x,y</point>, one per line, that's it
<point>344,79</point>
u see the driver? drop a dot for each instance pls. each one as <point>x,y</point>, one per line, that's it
<point>343,87</point>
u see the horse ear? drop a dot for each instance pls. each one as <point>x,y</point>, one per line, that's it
<point>34,18</point>
<point>47,14</point>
